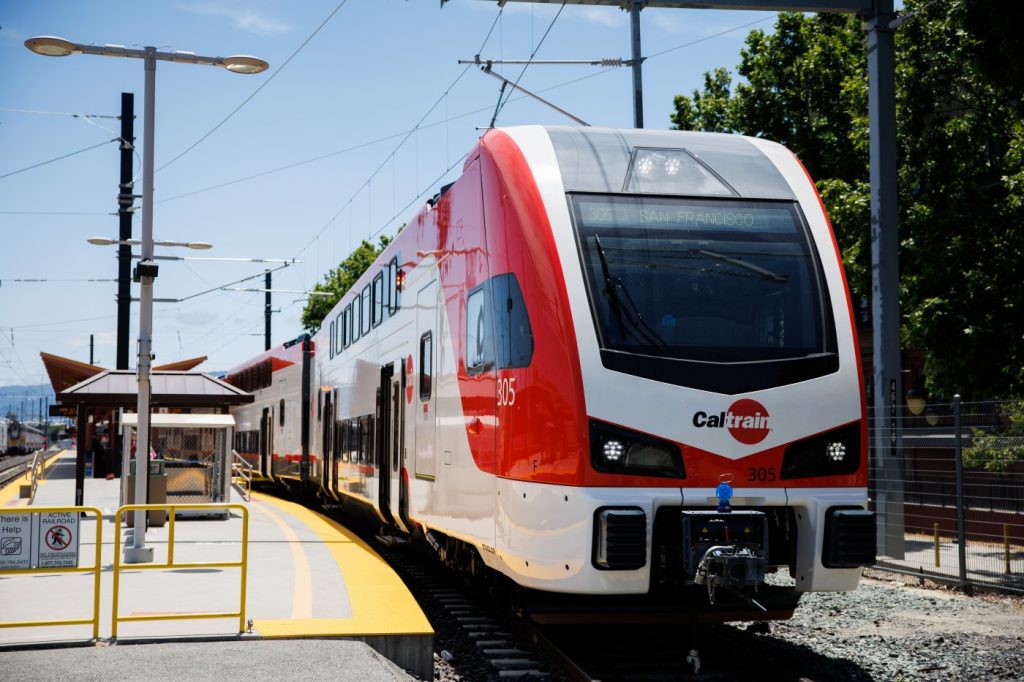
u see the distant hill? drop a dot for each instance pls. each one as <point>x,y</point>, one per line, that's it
<point>24,400</point>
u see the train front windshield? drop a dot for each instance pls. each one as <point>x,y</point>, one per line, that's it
<point>721,281</point>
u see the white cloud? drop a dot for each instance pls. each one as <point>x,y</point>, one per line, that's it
<point>197,318</point>
<point>245,20</point>
<point>611,17</point>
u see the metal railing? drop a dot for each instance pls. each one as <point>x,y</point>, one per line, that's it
<point>241,475</point>
<point>950,496</point>
<point>95,569</point>
<point>171,509</point>
<point>34,472</point>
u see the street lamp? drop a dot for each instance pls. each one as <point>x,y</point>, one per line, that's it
<point>51,46</point>
<point>105,241</point>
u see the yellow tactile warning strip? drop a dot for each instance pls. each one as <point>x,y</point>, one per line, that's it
<point>381,603</point>
<point>9,493</point>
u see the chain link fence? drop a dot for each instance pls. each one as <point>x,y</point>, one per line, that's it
<point>950,496</point>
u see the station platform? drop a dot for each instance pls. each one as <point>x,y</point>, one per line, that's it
<point>308,578</point>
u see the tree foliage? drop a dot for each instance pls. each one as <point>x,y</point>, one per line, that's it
<point>960,130</point>
<point>338,281</point>
<point>995,450</point>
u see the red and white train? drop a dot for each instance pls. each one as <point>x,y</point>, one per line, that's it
<point>564,364</point>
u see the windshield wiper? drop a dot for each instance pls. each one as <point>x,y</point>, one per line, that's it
<point>642,332</point>
<point>764,272</point>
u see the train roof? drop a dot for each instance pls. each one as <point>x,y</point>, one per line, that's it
<point>603,159</point>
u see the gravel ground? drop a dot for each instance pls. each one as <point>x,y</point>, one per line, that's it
<point>893,631</point>
<point>885,630</point>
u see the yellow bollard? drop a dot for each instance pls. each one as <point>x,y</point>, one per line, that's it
<point>937,562</point>
<point>1006,545</point>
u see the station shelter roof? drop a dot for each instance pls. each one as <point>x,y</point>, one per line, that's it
<point>65,372</point>
<point>119,388</point>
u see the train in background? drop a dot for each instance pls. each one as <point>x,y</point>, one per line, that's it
<point>19,438</point>
<point>602,363</point>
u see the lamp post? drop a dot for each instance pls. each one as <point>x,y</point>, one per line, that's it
<point>146,270</point>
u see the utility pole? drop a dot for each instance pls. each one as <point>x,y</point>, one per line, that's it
<point>91,348</point>
<point>266,313</point>
<point>638,60</point>
<point>125,200</point>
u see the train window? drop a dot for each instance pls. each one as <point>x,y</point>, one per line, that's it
<point>343,328</point>
<point>343,440</point>
<point>357,306</point>
<point>426,365</point>
<point>353,440</point>
<point>365,430</point>
<point>393,286</point>
<point>336,328</point>
<point>378,299</point>
<point>282,411</point>
<point>334,335</point>
<point>350,335</point>
<point>724,281</point>
<point>339,448</point>
<point>478,332</point>
<point>512,331</point>
<point>364,314</point>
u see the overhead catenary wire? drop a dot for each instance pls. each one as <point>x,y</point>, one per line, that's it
<point>502,104</point>
<point>57,113</point>
<point>258,89</point>
<point>610,64</point>
<point>59,158</point>
<point>404,139</point>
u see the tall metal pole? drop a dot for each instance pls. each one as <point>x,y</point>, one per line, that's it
<point>91,349</point>
<point>887,392</point>
<point>638,86</point>
<point>138,552</point>
<point>266,313</point>
<point>961,528</point>
<point>124,213</point>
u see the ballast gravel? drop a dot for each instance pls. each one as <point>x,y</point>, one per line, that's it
<point>887,630</point>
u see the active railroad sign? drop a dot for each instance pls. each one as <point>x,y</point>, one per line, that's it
<point>57,540</point>
<point>31,539</point>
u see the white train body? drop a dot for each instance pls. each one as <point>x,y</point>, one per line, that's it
<point>555,365</point>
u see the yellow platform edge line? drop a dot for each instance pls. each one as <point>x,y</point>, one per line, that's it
<point>381,603</point>
<point>11,490</point>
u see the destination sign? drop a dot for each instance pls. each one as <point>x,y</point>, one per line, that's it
<point>682,215</point>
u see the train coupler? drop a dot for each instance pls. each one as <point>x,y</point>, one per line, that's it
<point>726,550</point>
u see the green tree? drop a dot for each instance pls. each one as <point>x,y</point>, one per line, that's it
<point>995,450</point>
<point>961,169</point>
<point>338,281</point>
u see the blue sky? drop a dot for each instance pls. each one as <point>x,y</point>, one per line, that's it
<point>323,156</point>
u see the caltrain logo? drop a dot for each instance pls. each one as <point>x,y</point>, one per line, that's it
<point>746,419</point>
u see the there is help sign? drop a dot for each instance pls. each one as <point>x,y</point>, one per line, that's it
<point>31,539</point>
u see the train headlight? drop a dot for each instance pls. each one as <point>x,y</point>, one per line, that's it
<point>836,451</point>
<point>616,450</point>
<point>613,450</point>
<point>832,453</point>
<point>672,171</point>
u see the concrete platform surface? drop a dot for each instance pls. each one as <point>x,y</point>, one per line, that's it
<point>308,577</point>
<point>251,661</point>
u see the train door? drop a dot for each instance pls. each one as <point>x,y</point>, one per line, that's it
<point>327,449</point>
<point>399,473</point>
<point>383,442</point>
<point>420,394</point>
<point>266,448</point>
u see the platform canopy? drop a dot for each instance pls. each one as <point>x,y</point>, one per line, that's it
<point>65,372</point>
<point>119,388</point>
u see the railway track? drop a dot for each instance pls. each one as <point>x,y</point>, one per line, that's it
<point>12,467</point>
<point>474,637</point>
